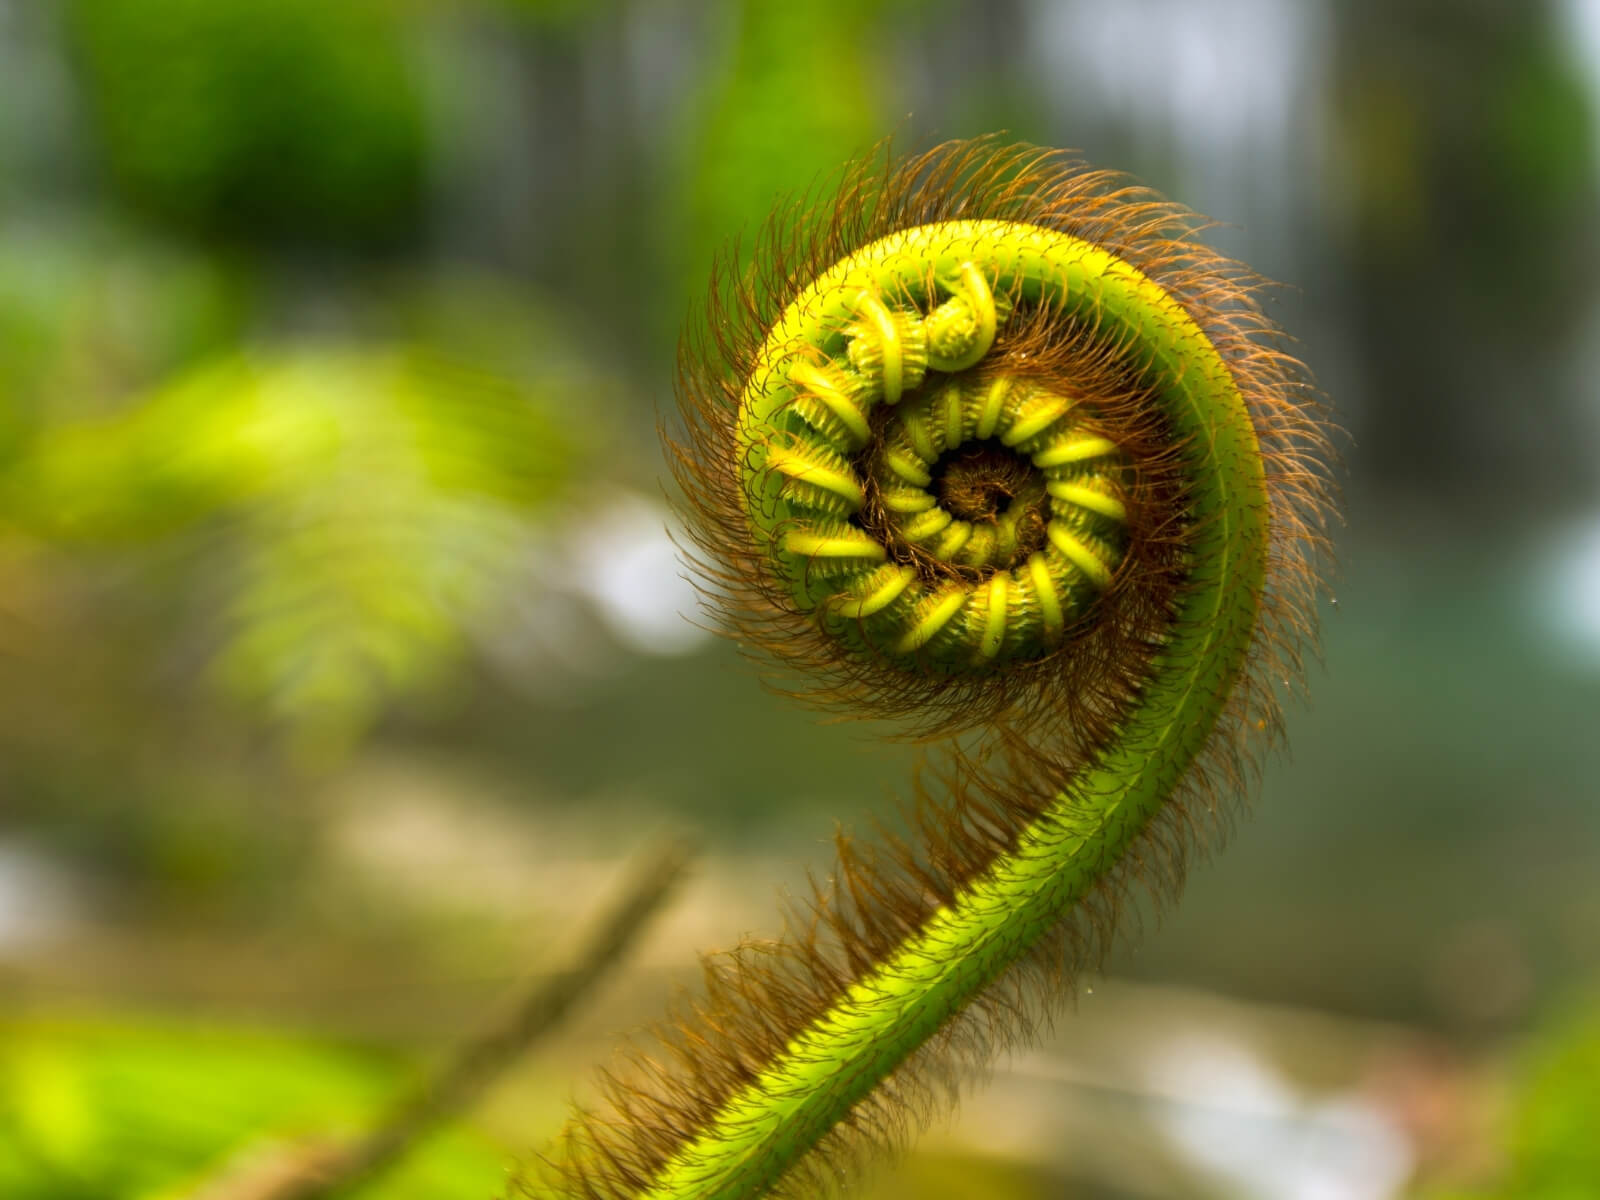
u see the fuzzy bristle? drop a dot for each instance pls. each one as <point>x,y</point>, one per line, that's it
<point>1011,737</point>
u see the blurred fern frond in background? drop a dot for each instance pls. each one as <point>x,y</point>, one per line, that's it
<point>347,513</point>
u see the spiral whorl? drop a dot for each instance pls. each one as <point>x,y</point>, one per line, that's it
<point>990,443</point>
<point>902,546</point>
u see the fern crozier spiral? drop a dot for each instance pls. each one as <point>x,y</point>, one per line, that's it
<point>989,442</point>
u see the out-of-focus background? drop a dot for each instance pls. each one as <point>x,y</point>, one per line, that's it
<point>343,656</point>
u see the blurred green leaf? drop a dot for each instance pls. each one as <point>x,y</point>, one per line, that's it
<point>797,97</point>
<point>273,120</point>
<point>88,313</point>
<point>137,1112</point>
<point>1554,1153</point>
<point>359,510</point>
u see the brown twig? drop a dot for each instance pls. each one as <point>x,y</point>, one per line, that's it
<point>320,1171</point>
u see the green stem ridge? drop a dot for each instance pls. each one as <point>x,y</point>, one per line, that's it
<point>1005,452</point>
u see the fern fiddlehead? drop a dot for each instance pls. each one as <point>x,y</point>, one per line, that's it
<point>993,444</point>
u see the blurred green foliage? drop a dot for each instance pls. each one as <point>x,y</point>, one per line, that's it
<point>133,1111</point>
<point>272,120</point>
<point>364,507</point>
<point>797,97</point>
<point>88,312</point>
<point>1550,1143</point>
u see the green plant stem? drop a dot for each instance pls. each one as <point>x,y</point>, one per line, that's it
<point>1080,838</point>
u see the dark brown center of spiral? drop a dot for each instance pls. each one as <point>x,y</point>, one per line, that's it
<point>986,483</point>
